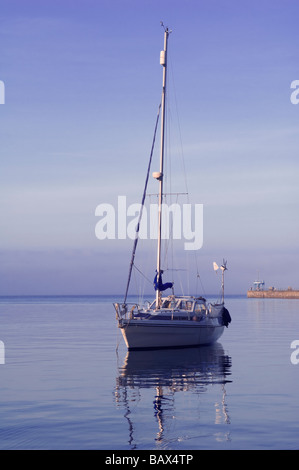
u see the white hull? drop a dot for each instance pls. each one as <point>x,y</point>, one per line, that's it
<point>140,334</point>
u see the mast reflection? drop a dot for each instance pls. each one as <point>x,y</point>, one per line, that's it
<point>167,373</point>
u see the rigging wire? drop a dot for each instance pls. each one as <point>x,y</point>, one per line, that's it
<point>143,275</point>
<point>195,257</point>
<point>141,208</point>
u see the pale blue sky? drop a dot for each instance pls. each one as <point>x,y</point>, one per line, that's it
<point>82,86</point>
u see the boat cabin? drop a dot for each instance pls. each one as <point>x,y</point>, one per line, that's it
<point>189,304</point>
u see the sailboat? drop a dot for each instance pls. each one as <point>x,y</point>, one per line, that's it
<point>169,321</point>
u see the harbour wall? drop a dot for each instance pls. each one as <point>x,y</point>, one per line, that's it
<point>273,294</point>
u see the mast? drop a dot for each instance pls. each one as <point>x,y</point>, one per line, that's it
<point>163,62</point>
<point>223,268</point>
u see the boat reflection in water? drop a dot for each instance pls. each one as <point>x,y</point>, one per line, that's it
<point>164,375</point>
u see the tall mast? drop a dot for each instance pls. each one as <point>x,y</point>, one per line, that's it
<point>163,62</point>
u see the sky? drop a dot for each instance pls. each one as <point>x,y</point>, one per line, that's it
<point>82,88</point>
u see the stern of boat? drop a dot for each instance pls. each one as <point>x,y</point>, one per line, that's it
<point>220,311</point>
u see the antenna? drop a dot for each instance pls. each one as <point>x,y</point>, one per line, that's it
<point>223,266</point>
<point>165,27</point>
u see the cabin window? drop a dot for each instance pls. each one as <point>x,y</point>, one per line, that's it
<point>186,305</point>
<point>199,307</point>
<point>171,304</point>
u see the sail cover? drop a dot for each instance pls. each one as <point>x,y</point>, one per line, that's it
<point>158,284</point>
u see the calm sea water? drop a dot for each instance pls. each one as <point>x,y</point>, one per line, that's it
<point>64,384</point>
